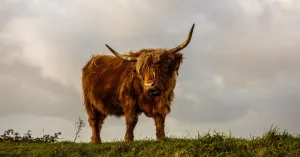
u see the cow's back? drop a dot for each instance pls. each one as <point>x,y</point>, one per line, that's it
<point>101,78</point>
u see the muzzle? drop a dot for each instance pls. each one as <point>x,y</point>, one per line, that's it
<point>154,91</point>
<point>151,89</point>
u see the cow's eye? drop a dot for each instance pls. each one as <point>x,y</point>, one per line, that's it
<point>165,67</point>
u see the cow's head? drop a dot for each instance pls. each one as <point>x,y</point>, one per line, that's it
<point>157,68</point>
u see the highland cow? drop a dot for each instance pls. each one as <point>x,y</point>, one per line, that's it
<point>131,84</point>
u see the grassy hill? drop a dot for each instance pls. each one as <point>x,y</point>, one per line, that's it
<point>272,143</point>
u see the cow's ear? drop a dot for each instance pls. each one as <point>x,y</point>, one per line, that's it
<point>177,61</point>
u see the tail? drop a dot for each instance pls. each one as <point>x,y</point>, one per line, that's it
<point>84,88</point>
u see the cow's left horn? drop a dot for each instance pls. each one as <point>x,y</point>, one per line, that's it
<point>185,42</point>
<point>123,57</point>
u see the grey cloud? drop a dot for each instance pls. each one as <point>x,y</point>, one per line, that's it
<point>27,92</point>
<point>7,11</point>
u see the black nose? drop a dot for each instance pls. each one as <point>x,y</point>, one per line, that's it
<point>154,92</point>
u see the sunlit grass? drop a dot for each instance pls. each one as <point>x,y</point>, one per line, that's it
<point>272,143</point>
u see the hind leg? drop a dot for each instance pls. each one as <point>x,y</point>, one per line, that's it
<point>96,125</point>
<point>96,120</point>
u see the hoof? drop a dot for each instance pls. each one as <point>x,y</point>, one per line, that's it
<point>128,140</point>
<point>163,139</point>
<point>96,142</point>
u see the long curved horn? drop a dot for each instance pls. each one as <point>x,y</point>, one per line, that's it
<point>184,43</point>
<point>123,57</point>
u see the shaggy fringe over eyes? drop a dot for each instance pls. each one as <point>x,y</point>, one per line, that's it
<point>143,63</point>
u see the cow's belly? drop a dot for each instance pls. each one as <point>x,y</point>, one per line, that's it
<point>113,107</point>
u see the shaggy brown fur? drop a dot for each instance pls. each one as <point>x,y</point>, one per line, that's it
<point>115,87</point>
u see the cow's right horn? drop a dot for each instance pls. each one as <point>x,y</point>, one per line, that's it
<point>184,43</point>
<point>123,57</point>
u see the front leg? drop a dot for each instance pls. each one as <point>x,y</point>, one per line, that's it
<point>160,126</point>
<point>131,120</point>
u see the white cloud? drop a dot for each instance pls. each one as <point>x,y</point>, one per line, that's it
<point>253,7</point>
<point>218,80</point>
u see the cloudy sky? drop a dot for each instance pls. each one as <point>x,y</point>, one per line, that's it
<point>240,72</point>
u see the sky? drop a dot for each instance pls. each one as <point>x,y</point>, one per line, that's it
<point>240,72</point>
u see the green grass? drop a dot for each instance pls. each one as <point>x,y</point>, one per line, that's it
<point>272,143</point>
